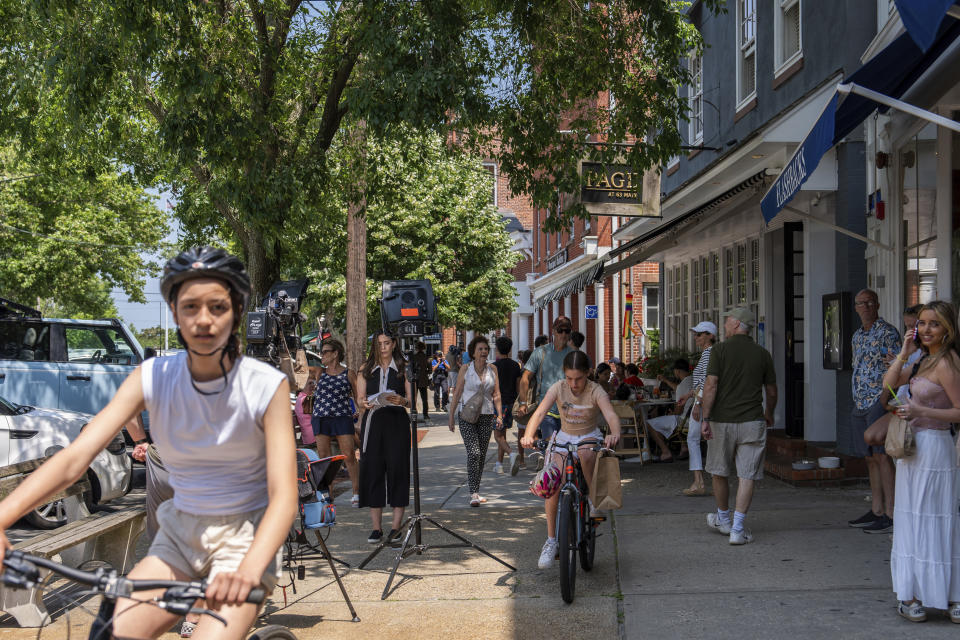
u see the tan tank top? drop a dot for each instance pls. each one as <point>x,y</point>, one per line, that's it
<point>579,415</point>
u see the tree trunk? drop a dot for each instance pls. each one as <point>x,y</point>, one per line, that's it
<point>356,284</point>
<point>261,268</point>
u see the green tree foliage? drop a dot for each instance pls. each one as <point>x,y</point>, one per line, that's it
<point>431,218</point>
<point>236,104</point>
<point>153,337</point>
<point>69,234</point>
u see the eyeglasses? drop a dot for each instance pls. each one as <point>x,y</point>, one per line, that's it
<point>563,330</point>
<point>328,351</point>
<point>864,303</point>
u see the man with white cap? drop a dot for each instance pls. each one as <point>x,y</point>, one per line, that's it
<point>705,336</point>
<point>735,420</point>
<point>619,372</point>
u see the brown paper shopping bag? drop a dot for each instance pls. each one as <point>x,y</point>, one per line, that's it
<point>605,489</point>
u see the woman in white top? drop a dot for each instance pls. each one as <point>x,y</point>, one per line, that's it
<point>705,336</point>
<point>477,377</point>
<point>221,423</point>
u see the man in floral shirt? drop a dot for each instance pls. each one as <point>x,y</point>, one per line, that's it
<point>875,343</point>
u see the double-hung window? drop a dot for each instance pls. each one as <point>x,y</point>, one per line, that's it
<point>788,47</point>
<point>746,51</point>
<point>695,96</point>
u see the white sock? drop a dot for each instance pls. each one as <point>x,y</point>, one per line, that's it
<point>738,519</point>
<point>723,516</point>
<point>553,539</point>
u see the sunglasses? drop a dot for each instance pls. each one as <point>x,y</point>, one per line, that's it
<point>328,351</point>
<point>563,330</point>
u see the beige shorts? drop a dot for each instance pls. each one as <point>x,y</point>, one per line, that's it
<point>203,546</point>
<point>742,444</point>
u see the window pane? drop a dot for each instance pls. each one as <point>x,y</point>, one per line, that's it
<point>24,341</point>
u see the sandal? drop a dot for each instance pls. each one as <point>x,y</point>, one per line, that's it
<point>691,492</point>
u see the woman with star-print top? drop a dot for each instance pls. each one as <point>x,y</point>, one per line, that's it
<point>332,413</point>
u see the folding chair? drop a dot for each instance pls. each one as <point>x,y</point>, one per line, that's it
<point>632,436</point>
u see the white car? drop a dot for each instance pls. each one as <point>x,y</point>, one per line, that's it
<point>28,433</point>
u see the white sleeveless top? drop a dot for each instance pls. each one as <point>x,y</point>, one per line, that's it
<point>213,446</point>
<point>473,383</point>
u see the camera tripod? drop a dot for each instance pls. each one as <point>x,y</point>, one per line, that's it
<point>414,523</point>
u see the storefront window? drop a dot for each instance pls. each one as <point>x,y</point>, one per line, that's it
<point>755,270</point>
<point>918,175</point>
<point>729,279</point>
<point>741,274</point>
<point>696,289</point>
<point>715,275</point>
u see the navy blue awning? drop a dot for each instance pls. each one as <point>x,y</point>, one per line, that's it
<point>890,73</point>
<point>922,18</point>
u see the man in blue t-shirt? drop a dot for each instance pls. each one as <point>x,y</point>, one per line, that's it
<point>544,368</point>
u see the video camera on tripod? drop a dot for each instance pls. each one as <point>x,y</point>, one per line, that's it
<point>273,330</point>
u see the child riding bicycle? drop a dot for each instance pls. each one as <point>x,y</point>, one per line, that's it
<point>580,402</point>
<point>222,425</point>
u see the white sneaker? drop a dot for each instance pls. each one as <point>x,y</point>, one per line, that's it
<point>547,554</point>
<point>514,463</point>
<point>355,500</point>
<point>741,537</point>
<point>498,467</point>
<point>714,522</point>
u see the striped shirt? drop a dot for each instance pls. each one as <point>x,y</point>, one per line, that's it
<point>700,371</point>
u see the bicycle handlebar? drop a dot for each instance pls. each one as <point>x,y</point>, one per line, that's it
<point>597,445</point>
<point>22,572</point>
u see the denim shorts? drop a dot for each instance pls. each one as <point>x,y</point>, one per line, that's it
<point>332,426</point>
<point>860,421</point>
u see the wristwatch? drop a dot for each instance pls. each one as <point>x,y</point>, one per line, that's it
<point>140,441</point>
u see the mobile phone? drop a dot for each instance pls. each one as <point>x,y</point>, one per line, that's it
<point>916,336</point>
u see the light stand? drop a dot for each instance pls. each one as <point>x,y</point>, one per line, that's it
<point>414,522</point>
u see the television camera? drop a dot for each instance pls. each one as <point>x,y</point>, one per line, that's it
<point>273,327</point>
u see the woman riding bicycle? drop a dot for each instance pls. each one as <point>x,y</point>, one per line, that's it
<point>580,402</point>
<point>221,423</point>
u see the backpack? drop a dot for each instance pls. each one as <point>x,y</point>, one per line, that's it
<point>314,476</point>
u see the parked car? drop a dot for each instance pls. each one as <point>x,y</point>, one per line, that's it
<point>28,433</point>
<point>58,363</point>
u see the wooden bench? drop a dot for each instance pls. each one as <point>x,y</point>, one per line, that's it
<point>109,536</point>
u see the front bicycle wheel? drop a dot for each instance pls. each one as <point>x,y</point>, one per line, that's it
<point>567,544</point>
<point>273,632</point>
<point>589,543</point>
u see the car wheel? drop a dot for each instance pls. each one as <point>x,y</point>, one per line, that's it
<point>48,516</point>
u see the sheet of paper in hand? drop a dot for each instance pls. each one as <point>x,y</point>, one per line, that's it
<point>380,399</point>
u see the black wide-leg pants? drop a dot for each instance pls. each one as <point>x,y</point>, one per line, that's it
<point>385,459</point>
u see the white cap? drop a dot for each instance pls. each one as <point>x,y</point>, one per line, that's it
<point>705,326</point>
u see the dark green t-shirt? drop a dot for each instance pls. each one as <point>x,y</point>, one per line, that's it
<point>742,367</point>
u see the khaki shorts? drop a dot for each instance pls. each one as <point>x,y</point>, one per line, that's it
<point>741,442</point>
<point>203,546</point>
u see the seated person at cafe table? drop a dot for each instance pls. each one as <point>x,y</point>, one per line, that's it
<point>662,427</point>
<point>633,376</point>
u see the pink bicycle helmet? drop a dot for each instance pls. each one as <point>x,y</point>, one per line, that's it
<point>547,482</point>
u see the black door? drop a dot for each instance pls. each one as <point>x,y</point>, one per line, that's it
<point>793,324</point>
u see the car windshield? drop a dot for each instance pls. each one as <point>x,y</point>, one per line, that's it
<point>8,408</point>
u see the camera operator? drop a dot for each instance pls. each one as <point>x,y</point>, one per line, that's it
<point>441,391</point>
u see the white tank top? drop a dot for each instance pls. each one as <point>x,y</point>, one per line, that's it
<point>213,446</point>
<point>473,384</point>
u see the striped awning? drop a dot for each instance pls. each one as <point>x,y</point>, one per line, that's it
<point>575,284</point>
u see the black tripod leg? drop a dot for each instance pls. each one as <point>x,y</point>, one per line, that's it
<point>380,547</point>
<point>336,574</point>
<point>413,522</point>
<point>468,542</point>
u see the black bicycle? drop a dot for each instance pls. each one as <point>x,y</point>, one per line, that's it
<point>23,571</point>
<point>576,530</point>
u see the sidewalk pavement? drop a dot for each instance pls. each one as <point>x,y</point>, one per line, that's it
<point>659,573</point>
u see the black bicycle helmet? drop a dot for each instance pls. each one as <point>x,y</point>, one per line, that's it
<point>205,262</point>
